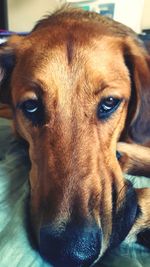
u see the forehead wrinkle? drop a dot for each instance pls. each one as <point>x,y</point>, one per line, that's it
<point>69,48</point>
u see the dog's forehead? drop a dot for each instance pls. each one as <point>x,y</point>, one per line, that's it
<point>67,51</point>
<point>72,35</point>
<point>64,57</point>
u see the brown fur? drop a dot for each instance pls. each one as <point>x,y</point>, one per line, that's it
<point>72,60</point>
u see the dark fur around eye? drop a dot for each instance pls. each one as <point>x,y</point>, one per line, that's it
<point>33,110</point>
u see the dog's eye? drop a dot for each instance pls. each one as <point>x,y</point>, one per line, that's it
<point>30,106</point>
<point>107,106</point>
<point>33,110</point>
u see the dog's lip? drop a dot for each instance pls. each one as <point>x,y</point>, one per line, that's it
<point>124,219</point>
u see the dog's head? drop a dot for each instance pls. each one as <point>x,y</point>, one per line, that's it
<point>74,83</point>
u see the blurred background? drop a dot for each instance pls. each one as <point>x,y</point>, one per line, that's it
<point>23,14</point>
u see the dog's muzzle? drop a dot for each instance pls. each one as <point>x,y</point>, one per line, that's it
<point>79,245</point>
<point>76,246</point>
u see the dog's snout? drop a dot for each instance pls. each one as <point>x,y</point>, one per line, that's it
<point>76,246</point>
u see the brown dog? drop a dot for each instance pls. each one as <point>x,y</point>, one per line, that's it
<point>78,84</point>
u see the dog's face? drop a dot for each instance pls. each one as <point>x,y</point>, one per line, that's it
<point>70,91</point>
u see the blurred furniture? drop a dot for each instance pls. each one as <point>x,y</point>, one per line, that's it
<point>3,15</point>
<point>145,36</point>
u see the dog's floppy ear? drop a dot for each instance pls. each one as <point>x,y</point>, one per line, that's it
<point>138,119</point>
<point>7,63</point>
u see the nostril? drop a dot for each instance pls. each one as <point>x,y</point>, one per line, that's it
<point>74,247</point>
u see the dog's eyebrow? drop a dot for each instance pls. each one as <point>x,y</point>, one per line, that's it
<point>37,86</point>
<point>103,85</point>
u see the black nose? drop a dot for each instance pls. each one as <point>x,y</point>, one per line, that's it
<point>74,247</point>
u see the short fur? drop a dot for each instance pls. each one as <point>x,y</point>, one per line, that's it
<point>70,62</point>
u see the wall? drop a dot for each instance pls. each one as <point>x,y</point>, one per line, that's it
<point>145,23</point>
<point>130,12</point>
<point>23,14</point>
